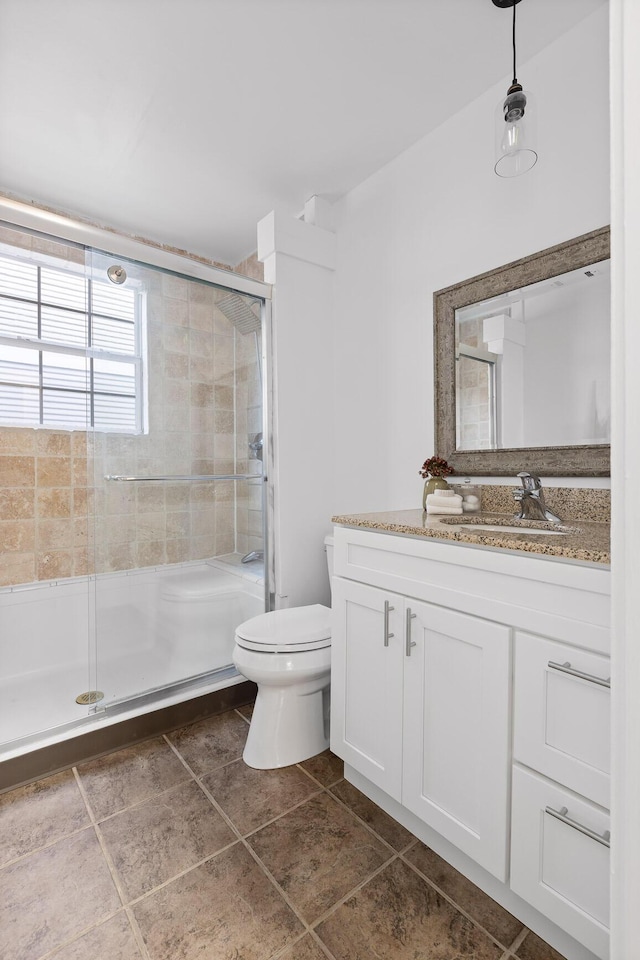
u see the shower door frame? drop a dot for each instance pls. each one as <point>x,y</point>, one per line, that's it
<point>119,245</point>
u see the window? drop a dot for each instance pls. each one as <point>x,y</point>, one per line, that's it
<point>70,349</point>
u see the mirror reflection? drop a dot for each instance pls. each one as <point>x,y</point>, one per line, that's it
<point>532,365</point>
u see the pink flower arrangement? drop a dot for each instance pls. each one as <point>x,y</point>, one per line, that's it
<point>435,467</point>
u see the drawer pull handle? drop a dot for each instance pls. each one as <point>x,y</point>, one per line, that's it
<point>408,641</point>
<point>387,610</point>
<point>561,814</point>
<point>567,668</point>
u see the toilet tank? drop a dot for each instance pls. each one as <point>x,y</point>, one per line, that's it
<point>328,545</point>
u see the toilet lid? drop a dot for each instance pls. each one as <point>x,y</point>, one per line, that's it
<point>296,629</point>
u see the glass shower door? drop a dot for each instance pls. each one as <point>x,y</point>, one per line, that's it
<point>179,502</point>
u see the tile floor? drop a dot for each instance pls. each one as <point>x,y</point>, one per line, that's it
<point>175,850</point>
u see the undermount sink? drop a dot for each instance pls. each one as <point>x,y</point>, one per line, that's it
<point>499,528</point>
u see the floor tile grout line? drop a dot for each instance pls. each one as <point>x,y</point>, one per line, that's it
<point>453,903</point>
<point>284,813</point>
<point>137,933</point>
<point>106,854</point>
<point>78,936</point>
<point>339,903</point>
<point>519,940</point>
<point>323,946</point>
<point>140,803</point>
<point>261,866</point>
<point>205,773</point>
<point>45,846</point>
<point>364,823</point>
<point>177,876</point>
<point>247,720</point>
<point>245,844</point>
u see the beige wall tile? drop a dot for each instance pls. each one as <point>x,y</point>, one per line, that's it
<point>54,534</point>
<point>17,503</point>
<point>17,536</point>
<point>120,556</point>
<point>200,548</point>
<point>176,312</point>
<point>178,525</point>
<point>54,564</point>
<point>175,287</point>
<point>177,339</point>
<point>51,443</point>
<point>16,441</point>
<point>81,530</point>
<point>55,471</point>
<point>201,369</point>
<point>17,568</point>
<point>201,317</point>
<point>201,293</point>
<point>54,502</point>
<point>151,526</point>
<point>200,343</point>
<point>176,365</point>
<point>177,551</point>
<point>17,471</point>
<point>151,553</point>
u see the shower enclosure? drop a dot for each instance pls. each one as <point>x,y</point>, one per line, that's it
<point>132,479</point>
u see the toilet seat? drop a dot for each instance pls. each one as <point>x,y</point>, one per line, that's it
<point>293,630</point>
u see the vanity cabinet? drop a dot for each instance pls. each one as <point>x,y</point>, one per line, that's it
<point>471,686</point>
<point>421,708</point>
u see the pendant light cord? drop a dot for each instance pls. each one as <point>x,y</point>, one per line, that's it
<point>514,43</point>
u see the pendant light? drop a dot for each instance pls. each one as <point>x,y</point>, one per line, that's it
<point>515,121</point>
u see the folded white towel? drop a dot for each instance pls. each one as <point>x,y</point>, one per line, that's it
<point>435,500</point>
<point>444,492</point>
<point>442,510</point>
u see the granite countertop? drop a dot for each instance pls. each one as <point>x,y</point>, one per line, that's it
<point>586,541</point>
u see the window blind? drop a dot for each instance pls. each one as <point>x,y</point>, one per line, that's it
<point>70,350</point>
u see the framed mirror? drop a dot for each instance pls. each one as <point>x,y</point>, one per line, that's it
<point>522,365</point>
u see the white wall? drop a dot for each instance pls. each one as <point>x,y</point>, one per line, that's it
<point>436,215</point>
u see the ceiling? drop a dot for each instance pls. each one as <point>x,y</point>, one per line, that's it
<point>186,121</point>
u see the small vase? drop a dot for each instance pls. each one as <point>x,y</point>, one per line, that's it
<point>430,486</point>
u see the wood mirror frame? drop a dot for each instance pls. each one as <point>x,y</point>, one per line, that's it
<point>578,461</point>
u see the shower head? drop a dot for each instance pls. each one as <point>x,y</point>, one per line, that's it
<point>244,314</point>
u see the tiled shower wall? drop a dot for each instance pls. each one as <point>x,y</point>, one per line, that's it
<point>473,406</point>
<point>59,518</point>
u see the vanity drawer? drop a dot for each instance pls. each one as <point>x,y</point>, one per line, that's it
<point>562,714</point>
<point>560,864</point>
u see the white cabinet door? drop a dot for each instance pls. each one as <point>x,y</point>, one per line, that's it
<point>560,858</point>
<point>366,682</point>
<point>456,729</point>
<point>562,708</point>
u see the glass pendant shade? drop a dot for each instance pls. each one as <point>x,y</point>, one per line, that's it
<point>515,134</point>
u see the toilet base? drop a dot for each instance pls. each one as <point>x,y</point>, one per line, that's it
<point>288,725</point>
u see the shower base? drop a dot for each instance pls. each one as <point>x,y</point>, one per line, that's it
<point>132,662</point>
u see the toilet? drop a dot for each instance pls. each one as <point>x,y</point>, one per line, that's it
<point>288,654</point>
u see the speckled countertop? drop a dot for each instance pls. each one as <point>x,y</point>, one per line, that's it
<point>581,540</point>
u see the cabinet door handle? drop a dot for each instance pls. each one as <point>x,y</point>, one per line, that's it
<point>567,668</point>
<point>561,814</point>
<point>408,641</point>
<point>387,610</point>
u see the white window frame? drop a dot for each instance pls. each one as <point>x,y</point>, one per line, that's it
<point>90,353</point>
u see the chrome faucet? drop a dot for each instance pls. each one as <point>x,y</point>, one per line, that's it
<point>531,500</point>
<point>253,555</point>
